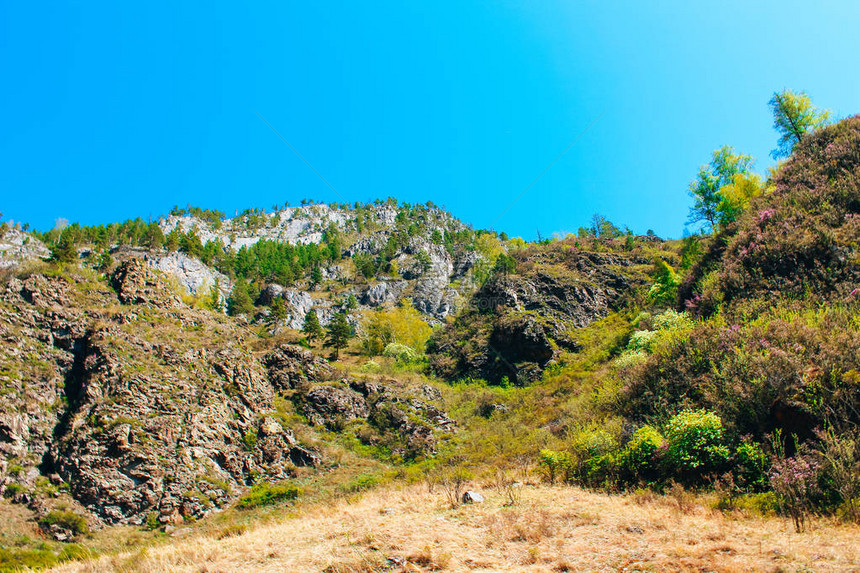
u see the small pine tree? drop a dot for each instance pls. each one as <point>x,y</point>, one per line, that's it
<point>351,302</point>
<point>65,251</point>
<point>312,328</point>
<point>338,333</point>
<point>240,300</point>
<point>316,277</point>
<point>278,309</point>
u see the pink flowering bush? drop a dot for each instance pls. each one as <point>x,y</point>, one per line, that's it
<point>795,482</point>
<point>800,239</point>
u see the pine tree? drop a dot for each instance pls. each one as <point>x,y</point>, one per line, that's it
<point>338,333</point>
<point>240,300</point>
<point>316,277</point>
<point>312,328</point>
<point>278,309</point>
<point>65,251</point>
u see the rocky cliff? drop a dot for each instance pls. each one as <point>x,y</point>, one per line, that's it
<point>139,408</point>
<point>416,267</point>
<point>519,322</point>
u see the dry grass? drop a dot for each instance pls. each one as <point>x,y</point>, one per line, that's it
<point>551,529</point>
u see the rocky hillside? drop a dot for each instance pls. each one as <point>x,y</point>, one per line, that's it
<point>126,403</point>
<point>314,256</point>
<point>17,247</point>
<point>523,318</point>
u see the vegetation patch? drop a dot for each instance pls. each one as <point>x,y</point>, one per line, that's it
<point>268,494</point>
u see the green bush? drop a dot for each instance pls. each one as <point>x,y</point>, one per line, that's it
<point>552,464</point>
<point>639,460</point>
<point>268,494</point>
<point>695,444</point>
<point>250,439</point>
<point>14,559</point>
<point>401,353</point>
<point>750,466</point>
<point>13,489</point>
<point>66,520</point>
<point>361,483</point>
<point>593,461</point>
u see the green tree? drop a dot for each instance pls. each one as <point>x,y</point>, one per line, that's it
<point>735,197</point>
<point>424,260</point>
<point>504,264</point>
<point>65,250</point>
<point>240,301</point>
<point>278,309</point>
<point>172,240</point>
<point>338,333</point>
<point>312,328</point>
<point>794,114</point>
<point>154,237</point>
<point>316,277</point>
<point>191,245</point>
<point>706,189</point>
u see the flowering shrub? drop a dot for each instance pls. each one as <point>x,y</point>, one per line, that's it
<point>795,482</point>
<point>695,444</point>
<point>401,353</point>
<point>800,237</point>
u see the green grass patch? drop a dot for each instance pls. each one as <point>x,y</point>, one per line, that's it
<point>268,494</point>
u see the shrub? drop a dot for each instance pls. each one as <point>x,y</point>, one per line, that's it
<point>750,466</point>
<point>65,520</point>
<point>453,482</point>
<point>401,353</point>
<point>552,464</point>
<point>370,366</point>
<point>593,460</point>
<point>268,494</point>
<point>14,559</point>
<point>13,489</point>
<point>361,483</point>
<point>695,444</point>
<point>402,325</point>
<point>640,457</point>
<point>249,439</point>
<point>840,457</point>
<point>795,483</point>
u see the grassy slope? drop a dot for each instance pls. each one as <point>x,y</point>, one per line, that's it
<point>550,529</point>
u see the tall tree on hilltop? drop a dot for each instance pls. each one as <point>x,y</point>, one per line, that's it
<point>794,114</point>
<point>706,188</point>
<point>66,250</point>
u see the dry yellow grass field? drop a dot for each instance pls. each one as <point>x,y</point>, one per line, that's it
<point>550,529</point>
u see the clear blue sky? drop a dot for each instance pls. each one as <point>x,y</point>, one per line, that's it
<point>112,110</point>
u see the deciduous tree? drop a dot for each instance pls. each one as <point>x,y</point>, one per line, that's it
<point>794,114</point>
<point>706,189</point>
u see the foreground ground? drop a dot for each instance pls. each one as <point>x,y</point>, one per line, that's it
<point>548,529</point>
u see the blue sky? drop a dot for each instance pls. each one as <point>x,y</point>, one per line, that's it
<point>115,110</point>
